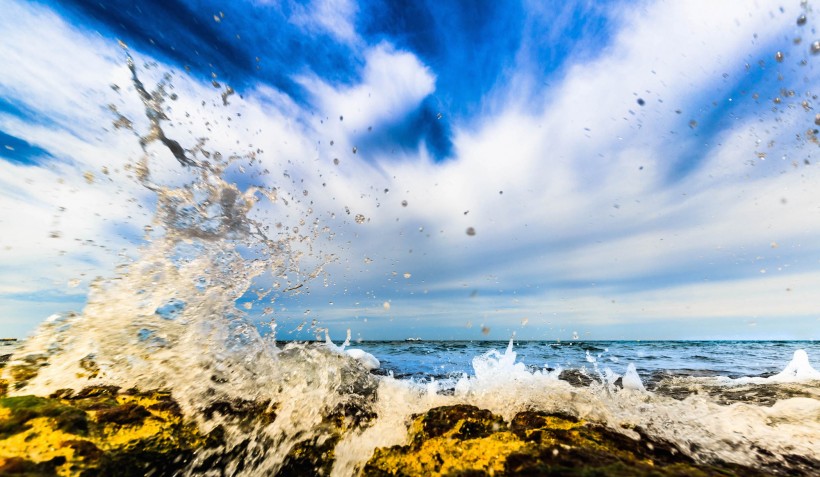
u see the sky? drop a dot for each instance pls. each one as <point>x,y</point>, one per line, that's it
<point>545,170</point>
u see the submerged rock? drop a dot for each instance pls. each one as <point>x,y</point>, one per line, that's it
<point>465,440</point>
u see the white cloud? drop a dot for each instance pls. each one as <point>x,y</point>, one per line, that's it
<point>393,83</point>
<point>589,197</point>
<point>335,17</point>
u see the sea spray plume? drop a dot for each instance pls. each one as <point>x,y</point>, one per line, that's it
<point>169,320</point>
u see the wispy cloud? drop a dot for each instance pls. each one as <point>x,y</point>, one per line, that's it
<point>647,176</point>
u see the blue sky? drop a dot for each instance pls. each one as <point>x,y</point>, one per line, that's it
<point>632,170</point>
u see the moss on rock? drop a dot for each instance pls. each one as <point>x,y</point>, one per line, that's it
<point>464,440</point>
<point>97,431</point>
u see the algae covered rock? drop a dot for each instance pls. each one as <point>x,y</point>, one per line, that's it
<point>97,431</point>
<point>464,440</point>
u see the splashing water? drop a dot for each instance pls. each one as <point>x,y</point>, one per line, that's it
<point>169,320</point>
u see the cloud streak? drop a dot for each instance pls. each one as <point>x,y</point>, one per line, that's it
<point>638,169</point>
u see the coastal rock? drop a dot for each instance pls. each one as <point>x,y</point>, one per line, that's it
<point>97,431</point>
<point>465,440</point>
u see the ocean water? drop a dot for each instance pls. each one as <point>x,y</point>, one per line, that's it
<point>653,360</point>
<point>175,318</point>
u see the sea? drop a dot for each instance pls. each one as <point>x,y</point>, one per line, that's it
<point>653,360</point>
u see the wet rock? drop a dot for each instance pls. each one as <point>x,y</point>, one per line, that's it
<point>465,440</point>
<point>242,411</point>
<point>97,431</point>
<point>576,377</point>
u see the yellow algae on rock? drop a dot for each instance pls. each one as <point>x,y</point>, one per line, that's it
<point>98,431</point>
<point>446,456</point>
<point>464,440</point>
<point>40,443</point>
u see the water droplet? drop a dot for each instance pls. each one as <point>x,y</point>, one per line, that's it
<point>693,124</point>
<point>335,161</point>
<point>470,231</point>
<point>89,177</point>
<point>386,305</point>
<point>815,47</point>
<point>485,330</point>
<point>779,56</point>
<point>404,203</point>
<point>359,218</point>
<point>407,275</point>
<point>355,149</point>
<point>801,20</point>
<point>171,309</point>
<point>439,116</point>
<point>817,119</point>
<point>641,102</point>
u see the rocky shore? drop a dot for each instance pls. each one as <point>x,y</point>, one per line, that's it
<point>107,431</point>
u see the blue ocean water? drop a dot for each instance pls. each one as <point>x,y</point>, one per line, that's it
<point>734,359</point>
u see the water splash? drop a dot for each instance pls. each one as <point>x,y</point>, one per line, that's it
<point>169,320</point>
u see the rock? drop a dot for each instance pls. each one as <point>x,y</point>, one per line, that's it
<point>465,440</point>
<point>97,431</point>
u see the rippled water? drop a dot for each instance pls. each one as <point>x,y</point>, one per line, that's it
<point>732,359</point>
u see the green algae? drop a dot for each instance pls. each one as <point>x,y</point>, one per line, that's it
<point>23,409</point>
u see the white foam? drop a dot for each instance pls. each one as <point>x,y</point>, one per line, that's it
<point>366,359</point>
<point>799,369</point>
<point>631,379</point>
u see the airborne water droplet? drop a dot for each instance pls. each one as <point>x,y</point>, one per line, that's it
<point>359,218</point>
<point>815,47</point>
<point>778,56</point>
<point>470,231</point>
<point>171,309</point>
